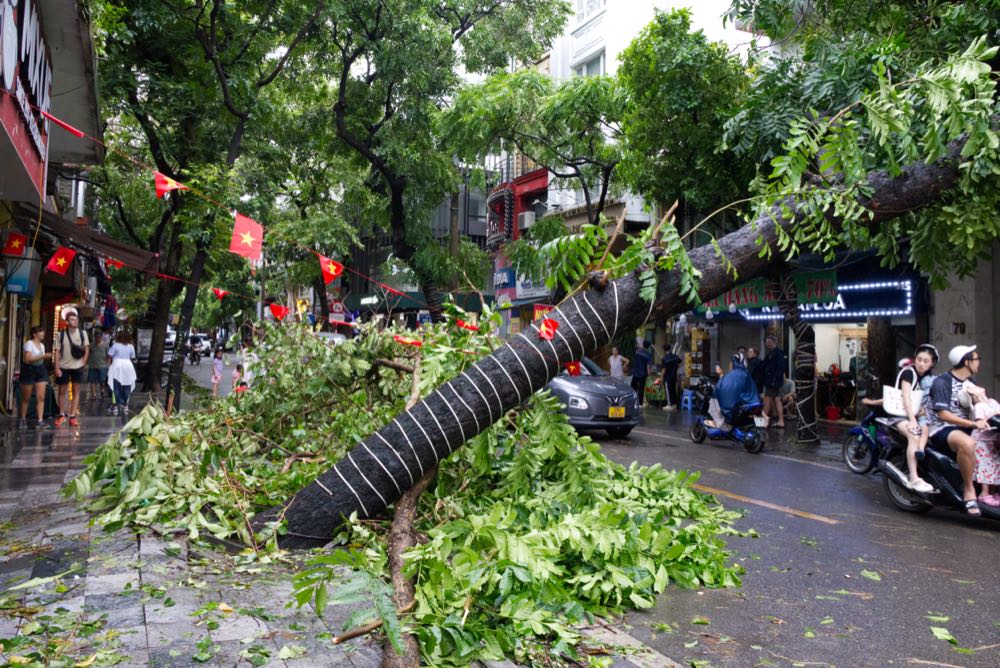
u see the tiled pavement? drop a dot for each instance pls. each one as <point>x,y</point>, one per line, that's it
<point>134,601</point>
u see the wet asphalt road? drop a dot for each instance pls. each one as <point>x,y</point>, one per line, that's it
<point>804,600</point>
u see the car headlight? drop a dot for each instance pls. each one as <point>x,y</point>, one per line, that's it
<point>578,402</point>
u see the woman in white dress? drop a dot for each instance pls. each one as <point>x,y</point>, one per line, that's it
<point>121,373</point>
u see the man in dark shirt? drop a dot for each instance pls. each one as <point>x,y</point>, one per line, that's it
<point>774,378</point>
<point>670,363</point>
<point>755,365</point>
<point>640,369</point>
<point>951,424</point>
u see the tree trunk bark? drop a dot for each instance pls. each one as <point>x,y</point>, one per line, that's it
<point>377,472</point>
<point>187,311</point>
<point>319,287</point>
<point>805,364</point>
<point>881,355</point>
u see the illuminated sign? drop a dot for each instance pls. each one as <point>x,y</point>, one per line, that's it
<point>369,300</point>
<point>853,301</point>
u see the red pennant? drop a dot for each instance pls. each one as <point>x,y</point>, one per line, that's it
<point>466,325</point>
<point>64,125</point>
<point>16,243</point>
<point>548,328</point>
<point>573,368</point>
<point>240,388</point>
<point>62,259</point>
<point>248,238</point>
<point>330,268</point>
<point>278,311</point>
<point>220,293</point>
<point>406,341</point>
<point>165,184</point>
<point>113,264</point>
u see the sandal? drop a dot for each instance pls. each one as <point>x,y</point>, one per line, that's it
<point>972,508</point>
<point>989,500</point>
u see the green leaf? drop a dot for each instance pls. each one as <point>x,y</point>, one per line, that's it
<point>943,634</point>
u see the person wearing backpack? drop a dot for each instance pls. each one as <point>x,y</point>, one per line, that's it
<point>71,349</point>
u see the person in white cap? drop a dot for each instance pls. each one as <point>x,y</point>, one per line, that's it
<point>951,424</point>
<point>70,352</point>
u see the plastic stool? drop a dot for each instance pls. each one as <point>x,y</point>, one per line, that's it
<point>687,400</point>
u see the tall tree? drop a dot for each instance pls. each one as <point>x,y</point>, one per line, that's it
<point>396,65</point>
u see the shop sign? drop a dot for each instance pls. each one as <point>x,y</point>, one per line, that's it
<point>503,301</point>
<point>22,273</point>
<point>853,301</point>
<point>368,300</point>
<point>27,73</point>
<point>503,278</point>
<point>752,294</point>
<point>526,289</point>
<point>816,287</point>
<point>541,310</point>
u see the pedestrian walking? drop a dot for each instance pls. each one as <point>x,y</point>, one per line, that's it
<point>33,377</point>
<point>121,373</point>
<point>217,368</point>
<point>97,366</point>
<point>70,355</point>
<point>671,362</point>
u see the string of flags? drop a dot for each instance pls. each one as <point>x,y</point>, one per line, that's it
<point>246,241</point>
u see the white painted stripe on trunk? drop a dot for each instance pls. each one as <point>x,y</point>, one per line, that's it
<point>454,414</point>
<point>497,394</point>
<point>520,399</point>
<point>447,440</point>
<point>576,304</point>
<point>365,446</point>
<point>362,503</point>
<point>544,361</point>
<point>398,456</point>
<point>531,387</point>
<point>409,443</point>
<point>325,489</point>
<point>597,315</point>
<point>583,348</point>
<point>481,395</point>
<point>365,478</point>
<point>437,457</point>
<point>467,407</point>
<point>617,312</point>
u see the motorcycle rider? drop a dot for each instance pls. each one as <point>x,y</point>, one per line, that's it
<point>735,389</point>
<point>951,425</point>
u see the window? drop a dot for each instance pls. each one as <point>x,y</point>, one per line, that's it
<point>591,68</point>
<point>587,8</point>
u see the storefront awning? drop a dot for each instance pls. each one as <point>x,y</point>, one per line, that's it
<point>89,239</point>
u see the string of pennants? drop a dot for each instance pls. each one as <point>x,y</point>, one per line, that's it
<point>247,237</point>
<point>247,241</point>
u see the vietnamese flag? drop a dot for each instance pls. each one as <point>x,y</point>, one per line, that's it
<point>573,368</point>
<point>61,260</point>
<point>16,243</point>
<point>466,325</point>
<point>406,341</point>
<point>330,268</point>
<point>278,311</point>
<point>248,238</point>
<point>113,264</point>
<point>165,184</point>
<point>220,293</point>
<point>548,329</point>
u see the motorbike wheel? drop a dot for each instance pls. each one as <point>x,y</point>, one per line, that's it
<point>698,432</point>
<point>858,454</point>
<point>754,441</point>
<point>901,497</point>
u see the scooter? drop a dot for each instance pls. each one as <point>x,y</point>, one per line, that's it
<point>869,442</point>
<point>194,355</point>
<point>937,468</point>
<point>746,425</point>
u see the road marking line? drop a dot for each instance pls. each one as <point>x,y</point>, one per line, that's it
<point>764,504</point>
<point>686,441</point>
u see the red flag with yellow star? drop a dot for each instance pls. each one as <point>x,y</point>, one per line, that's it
<point>220,293</point>
<point>16,243</point>
<point>165,184</point>
<point>407,341</point>
<point>548,328</point>
<point>61,260</point>
<point>278,311</point>
<point>248,238</point>
<point>113,264</point>
<point>573,368</point>
<point>466,325</point>
<point>330,268</point>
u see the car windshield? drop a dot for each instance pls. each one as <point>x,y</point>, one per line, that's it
<point>588,367</point>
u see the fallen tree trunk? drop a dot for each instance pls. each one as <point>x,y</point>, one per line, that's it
<point>377,471</point>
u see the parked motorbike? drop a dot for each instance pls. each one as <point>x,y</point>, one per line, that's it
<point>746,426</point>
<point>937,468</point>
<point>868,442</point>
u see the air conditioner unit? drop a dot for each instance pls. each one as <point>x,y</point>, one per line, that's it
<point>525,220</point>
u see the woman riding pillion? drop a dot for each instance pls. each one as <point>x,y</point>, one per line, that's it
<point>914,424</point>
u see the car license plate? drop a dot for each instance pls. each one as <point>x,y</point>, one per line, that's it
<point>616,411</point>
<point>760,421</point>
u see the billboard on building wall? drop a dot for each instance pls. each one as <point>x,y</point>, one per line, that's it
<point>26,74</point>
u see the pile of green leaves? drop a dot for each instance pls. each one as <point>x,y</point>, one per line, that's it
<point>529,528</point>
